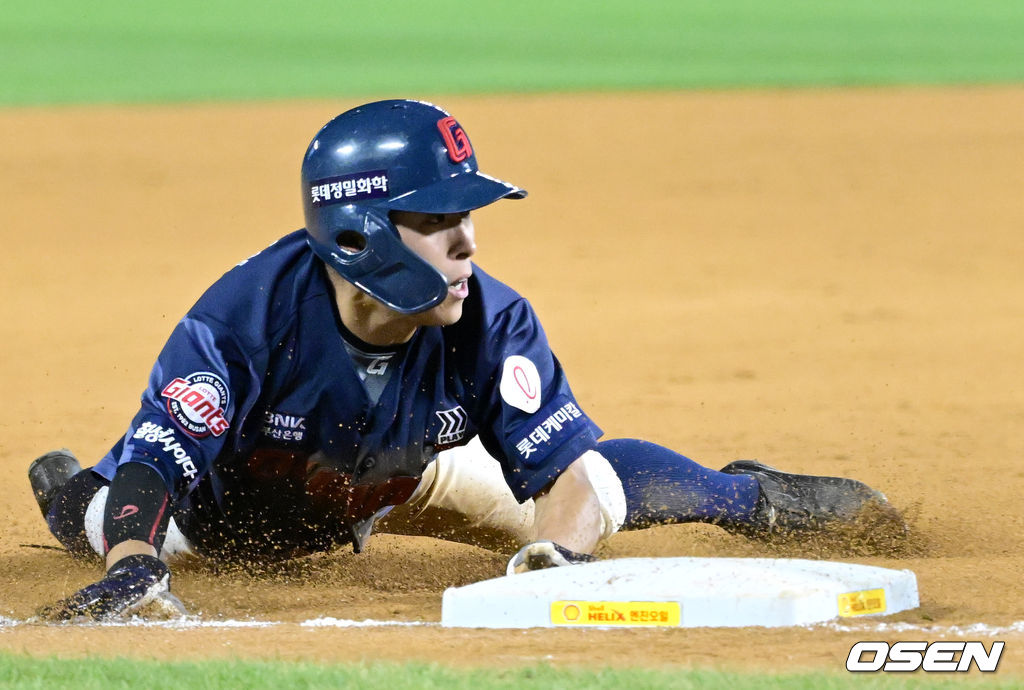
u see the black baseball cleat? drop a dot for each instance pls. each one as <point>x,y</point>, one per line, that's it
<point>48,473</point>
<point>793,504</point>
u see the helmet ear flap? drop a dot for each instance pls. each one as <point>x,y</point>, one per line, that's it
<point>382,266</point>
<point>352,231</point>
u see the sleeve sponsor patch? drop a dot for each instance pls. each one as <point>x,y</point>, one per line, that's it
<point>520,384</point>
<point>164,441</point>
<point>538,439</point>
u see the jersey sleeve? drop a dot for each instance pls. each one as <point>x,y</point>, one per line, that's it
<point>532,422</point>
<point>197,394</point>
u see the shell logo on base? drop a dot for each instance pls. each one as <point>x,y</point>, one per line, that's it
<point>862,603</point>
<point>619,613</point>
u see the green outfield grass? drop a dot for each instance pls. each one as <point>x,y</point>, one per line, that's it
<point>64,51</point>
<point>22,673</point>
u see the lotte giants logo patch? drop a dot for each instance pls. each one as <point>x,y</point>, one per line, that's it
<point>197,403</point>
<point>455,139</point>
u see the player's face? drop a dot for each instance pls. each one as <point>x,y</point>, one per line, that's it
<point>446,242</point>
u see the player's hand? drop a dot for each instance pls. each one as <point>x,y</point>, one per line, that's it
<point>130,584</point>
<point>544,554</point>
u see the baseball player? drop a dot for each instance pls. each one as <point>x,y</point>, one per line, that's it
<point>341,374</point>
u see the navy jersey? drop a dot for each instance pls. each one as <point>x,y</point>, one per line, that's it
<point>257,419</point>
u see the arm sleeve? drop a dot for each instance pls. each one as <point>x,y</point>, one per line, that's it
<point>137,507</point>
<point>531,422</point>
<point>199,390</point>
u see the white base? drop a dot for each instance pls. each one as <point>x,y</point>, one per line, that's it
<point>681,592</point>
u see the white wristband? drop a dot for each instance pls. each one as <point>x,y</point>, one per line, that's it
<point>608,488</point>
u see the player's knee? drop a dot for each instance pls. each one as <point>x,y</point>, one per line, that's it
<point>66,518</point>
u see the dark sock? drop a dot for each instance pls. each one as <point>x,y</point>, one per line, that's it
<point>664,487</point>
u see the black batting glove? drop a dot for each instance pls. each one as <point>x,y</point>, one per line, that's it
<point>544,554</point>
<point>130,584</point>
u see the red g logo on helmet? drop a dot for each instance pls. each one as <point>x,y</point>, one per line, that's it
<point>455,139</point>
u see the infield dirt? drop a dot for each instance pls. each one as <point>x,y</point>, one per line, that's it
<point>828,281</point>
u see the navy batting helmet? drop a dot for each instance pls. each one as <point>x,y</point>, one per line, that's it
<point>389,156</point>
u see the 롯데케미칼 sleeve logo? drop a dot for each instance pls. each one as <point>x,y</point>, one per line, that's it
<point>198,403</point>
